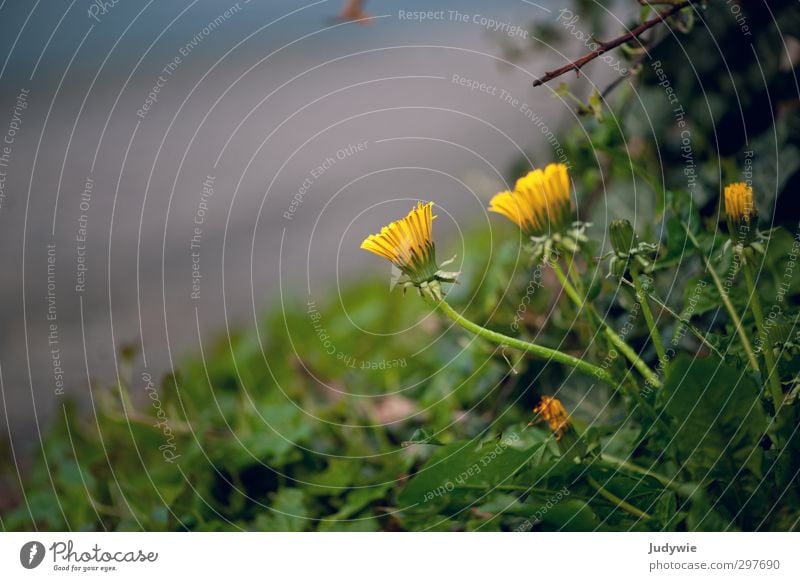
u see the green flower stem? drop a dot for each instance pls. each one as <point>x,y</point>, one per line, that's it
<point>570,285</point>
<point>507,488</point>
<point>769,358</point>
<point>615,339</point>
<point>577,284</point>
<point>573,275</point>
<point>748,348</point>
<point>631,355</point>
<point>536,350</point>
<point>686,490</point>
<point>567,286</point>
<point>648,315</point>
<point>694,330</point>
<point>614,499</point>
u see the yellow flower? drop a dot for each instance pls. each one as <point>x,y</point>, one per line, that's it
<point>739,203</point>
<point>408,244</point>
<point>540,202</point>
<point>742,213</point>
<point>551,411</point>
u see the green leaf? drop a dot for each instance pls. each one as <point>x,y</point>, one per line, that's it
<point>365,525</point>
<point>273,436</point>
<point>464,466</point>
<point>718,417</point>
<point>288,513</point>
<point>422,436</point>
<point>569,515</point>
<point>360,498</point>
<point>699,296</point>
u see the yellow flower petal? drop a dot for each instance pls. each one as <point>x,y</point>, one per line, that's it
<point>505,203</point>
<point>739,202</point>
<point>408,243</point>
<point>540,202</point>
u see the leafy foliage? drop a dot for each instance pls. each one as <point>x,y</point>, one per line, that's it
<point>304,424</point>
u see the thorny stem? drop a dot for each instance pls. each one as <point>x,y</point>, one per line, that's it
<point>604,47</point>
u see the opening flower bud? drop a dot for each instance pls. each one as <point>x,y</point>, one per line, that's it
<point>623,238</point>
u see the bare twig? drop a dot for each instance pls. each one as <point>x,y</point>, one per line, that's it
<point>604,47</point>
<point>632,68</point>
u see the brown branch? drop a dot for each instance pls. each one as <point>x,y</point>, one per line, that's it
<point>604,47</point>
<point>639,60</point>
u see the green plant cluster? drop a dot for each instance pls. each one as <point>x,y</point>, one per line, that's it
<point>308,423</point>
<point>303,439</point>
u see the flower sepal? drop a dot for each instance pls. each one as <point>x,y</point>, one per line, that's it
<point>628,250</point>
<point>757,245</point>
<point>450,276</point>
<point>408,244</point>
<point>573,237</point>
<point>544,248</point>
<point>431,288</point>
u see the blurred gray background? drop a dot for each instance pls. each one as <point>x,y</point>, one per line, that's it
<point>133,112</point>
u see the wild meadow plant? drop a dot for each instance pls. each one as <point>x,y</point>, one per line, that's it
<point>708,422</point>
<point>641,373</point>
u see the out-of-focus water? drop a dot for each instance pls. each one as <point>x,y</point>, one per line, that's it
<point>171,162</point>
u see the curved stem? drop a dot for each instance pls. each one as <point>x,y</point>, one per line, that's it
<point>613,498</point>
<point>648,315</point>
<point>508,488</point>
<point>694,330</point>
<point>615,339</point>
<point>573,275</point>
<point>737,322</point>
<point>577,284</point>
<point>683,489</point>
<point>769,358</point>
<point>567,285</point>
<point>631,355</point>
<point>537,350</point>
